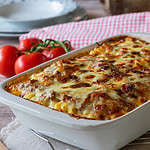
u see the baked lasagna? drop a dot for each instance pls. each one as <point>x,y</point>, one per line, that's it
<point>104,83</point>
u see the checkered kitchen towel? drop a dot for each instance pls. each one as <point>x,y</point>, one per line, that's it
<point>87,32</point>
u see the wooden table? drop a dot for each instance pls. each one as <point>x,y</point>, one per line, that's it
<point>94,10</point>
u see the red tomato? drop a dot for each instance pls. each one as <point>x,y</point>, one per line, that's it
<point>26,62</point>
<point>28,44</point>
<point>8,56</point>
<point>54,52</point>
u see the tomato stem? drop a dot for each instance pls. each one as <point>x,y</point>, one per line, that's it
<point>50,43</point>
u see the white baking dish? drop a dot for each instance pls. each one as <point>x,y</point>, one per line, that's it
<point>86,134</point>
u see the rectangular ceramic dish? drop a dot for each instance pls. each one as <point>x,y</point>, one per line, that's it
<point>87,134</point>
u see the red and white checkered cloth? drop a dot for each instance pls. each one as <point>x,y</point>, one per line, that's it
<point>87,32</point>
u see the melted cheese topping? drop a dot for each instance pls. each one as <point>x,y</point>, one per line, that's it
<point>103,84</point>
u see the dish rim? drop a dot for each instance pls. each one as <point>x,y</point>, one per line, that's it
<point>56,116</point>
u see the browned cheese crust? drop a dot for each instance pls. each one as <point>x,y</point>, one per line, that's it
<point>107,82</point>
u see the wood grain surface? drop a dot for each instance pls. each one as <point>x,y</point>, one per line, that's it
<point>2,146</point>
<point>94,10</point>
